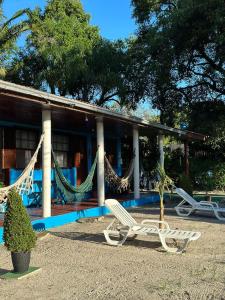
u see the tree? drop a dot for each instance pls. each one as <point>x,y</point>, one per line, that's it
<point>9,32</point>
<point>182,46</point>
<point>62,37</point>
<point>208,117</point>
<point>66,54</point>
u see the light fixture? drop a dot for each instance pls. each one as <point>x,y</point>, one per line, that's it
<point>86,118</point>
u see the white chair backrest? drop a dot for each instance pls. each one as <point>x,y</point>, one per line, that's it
<point>120,212</point>
<point>186,196</point>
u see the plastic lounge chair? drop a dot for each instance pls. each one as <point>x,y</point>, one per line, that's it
<point>193,205</point>
<point>129,228</point>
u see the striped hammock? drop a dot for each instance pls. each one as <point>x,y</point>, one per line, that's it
<point>117,183</point>
<point>71,193</point>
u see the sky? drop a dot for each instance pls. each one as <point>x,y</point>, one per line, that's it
<point>113,17</point>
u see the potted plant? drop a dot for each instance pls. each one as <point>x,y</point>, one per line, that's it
<point>19,236</point>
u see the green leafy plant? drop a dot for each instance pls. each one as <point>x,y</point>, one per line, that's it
<point>18,232</point>
<point>164,182</point>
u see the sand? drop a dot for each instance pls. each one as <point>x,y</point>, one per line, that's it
<point>77,264</point>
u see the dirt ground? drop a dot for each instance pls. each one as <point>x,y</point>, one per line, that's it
<point>77,264</point>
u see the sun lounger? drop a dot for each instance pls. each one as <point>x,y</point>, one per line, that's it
<point>189,205</point>
<point>129,228</point>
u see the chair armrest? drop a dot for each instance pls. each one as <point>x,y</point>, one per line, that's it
<point>156,221</point>
<point>212,204</point>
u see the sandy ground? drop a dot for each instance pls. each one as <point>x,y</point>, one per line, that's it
<point>77,264</point>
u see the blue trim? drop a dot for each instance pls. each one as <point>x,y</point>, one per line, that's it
<point>1,235</point>
<point>60,220</point>
<point>34,198</point>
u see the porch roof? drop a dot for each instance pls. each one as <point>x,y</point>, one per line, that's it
<point>32,100</point>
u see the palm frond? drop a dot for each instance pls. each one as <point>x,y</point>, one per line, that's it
<point>164,181</point>
<point>9,35</point>
<point>18,14</point>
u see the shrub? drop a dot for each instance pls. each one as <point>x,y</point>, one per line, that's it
<point>186,183</point>
<point>18,232</point>
<point>208,174</point>
<point>219,176</point>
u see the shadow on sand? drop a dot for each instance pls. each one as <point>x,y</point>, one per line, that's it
<point>153,209</point>
<point>100,240</point>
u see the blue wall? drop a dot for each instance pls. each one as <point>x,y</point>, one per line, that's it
<point>34,198</point>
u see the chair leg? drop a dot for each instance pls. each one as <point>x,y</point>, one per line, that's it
<point>130,237</point>
<point>177,250</point>
<point>183,214</point>
<point>218,215</point>
<point>112,242</point>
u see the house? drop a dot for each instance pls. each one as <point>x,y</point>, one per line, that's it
<point>75,130</point>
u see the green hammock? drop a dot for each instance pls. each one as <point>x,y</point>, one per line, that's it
<point>69,192</point>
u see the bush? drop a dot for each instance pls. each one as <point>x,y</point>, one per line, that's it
<point>186,183</point>
<point>208,174</point>
<point>219,176</point>
<point>18,232</point>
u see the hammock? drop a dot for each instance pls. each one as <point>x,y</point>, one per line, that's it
<point>24,183</point>
<point>116,183</point>
<point>69,192</point>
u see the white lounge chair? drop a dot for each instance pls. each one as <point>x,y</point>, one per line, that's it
<point>193,205</point>
<point>129,228</point>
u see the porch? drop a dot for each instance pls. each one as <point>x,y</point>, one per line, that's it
<point>74,130</point>
<point>67,213</point>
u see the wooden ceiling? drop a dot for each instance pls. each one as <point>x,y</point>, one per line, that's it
<point>19,111</point>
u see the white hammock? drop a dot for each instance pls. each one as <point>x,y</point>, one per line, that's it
<point>24,184</point>
<point>119,184</point>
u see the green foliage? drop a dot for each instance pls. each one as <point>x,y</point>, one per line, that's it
<point>180,47</point>
<point>9,32</point>
<point>218,174</point>
<point>164,181</point>
<point>18,233</point>
<point>66,54</point>
<point>149,153</point>
<point>186,183</point>
<point>208,118</point>
<point>174,163</point>
<point>208,174</point>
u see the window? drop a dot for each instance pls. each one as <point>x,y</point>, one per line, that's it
<point>25,139</point>
<point>60,143</point>
<point>62,159</point>
<point>61,147</point>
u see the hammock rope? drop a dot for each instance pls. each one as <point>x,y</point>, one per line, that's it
<point>24,183</point>
<point>69,192</point>
<point>117,183</point>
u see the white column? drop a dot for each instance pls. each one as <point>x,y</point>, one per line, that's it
<point>136,162</point>
<point>100,165</point>
<point>46,163</point>
<point>161,151</point>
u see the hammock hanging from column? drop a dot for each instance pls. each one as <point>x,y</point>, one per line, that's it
<point>24,183</point>
<point>69,192</point>
<point>117,183</point>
